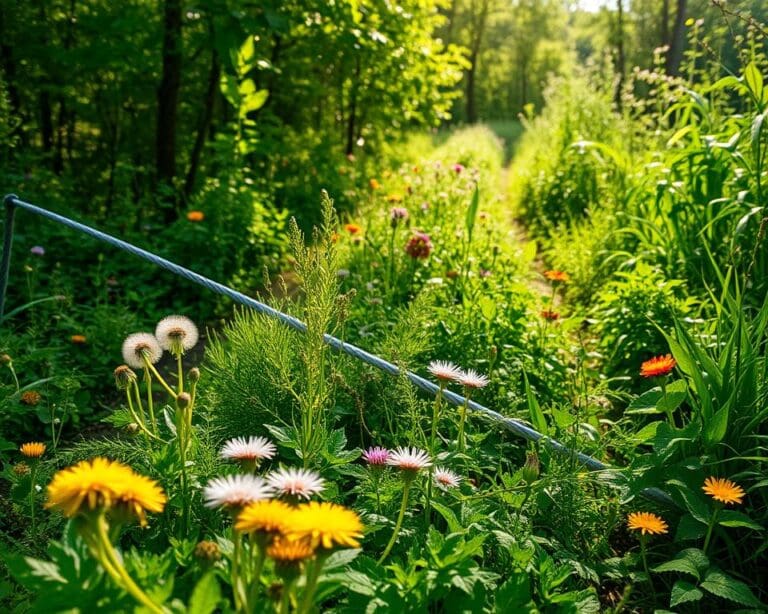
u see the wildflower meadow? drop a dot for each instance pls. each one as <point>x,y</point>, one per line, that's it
<point>358,307</point>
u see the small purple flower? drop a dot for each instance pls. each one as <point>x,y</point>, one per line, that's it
<point>458,168</point>
<point>376,456</point>
<point>37,250</point>
<point>397,214</point>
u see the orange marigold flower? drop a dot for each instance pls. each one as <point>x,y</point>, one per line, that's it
<point>646,522</point>
<point>33,449</point>
<point>374,184</point>
<point>557,276</point>
<point>353,229</point>
<point>30,397</point>
<point>195,216</point>
<point>550,315</point>
<point>658,366</point>
<point>78,339</point>
<point>722,490</point>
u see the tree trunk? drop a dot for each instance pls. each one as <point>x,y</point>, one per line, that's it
<point>675,53</point>
<point>214,76</point>
<point>471,109</point>
<point>352,116</point>
<point>664,30</point>
<point>44,99</point>
<point>620,67</point>
<point>168,95</point>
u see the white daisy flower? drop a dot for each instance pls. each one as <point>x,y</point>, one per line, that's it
<point>446,371</point>
<point>139,345</point>
<point>445,478</point>
<point>250,449</point>
<point>472,379</point>
<point>176,334</point>
<point>236,491</point>
<point>299,483</point>
<point>409,459</point>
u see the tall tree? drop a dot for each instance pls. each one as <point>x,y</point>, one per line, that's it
<point>168,94</point>
<point>676,44</point>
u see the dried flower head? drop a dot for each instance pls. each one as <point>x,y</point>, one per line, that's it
<point>722,490</point>
<point>409,460</point>
<point>236,491</point>
<point>445,478</point>
<point>30,397</point>
<point>21,469</point>
<point>124,377</point>
<point>33,449</point>
<point>376,456</point>
<point>419,246</point>
<point>295,483</point>
<point>457,168</point>
<point>207,551</point>
<point>176,334</point>
<point>472,379</point>
<point>531,468</point>
<point>658,366</point>
<point>646,522</point>
<point>6,359</point>
<point>139,346</point>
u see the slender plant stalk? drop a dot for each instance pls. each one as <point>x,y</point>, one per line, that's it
<point>462,419</point>
<point>115,568</point>
<point>433,450</point>
<point>32,476</point>
<point>159,377</point>
<point>309,589</point>
<point>398,523</point>
<point>180,369</point>
<point>710,527</point>
<point>645,565</point>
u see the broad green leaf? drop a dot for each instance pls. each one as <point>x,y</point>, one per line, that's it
<point>537,416</point>
<point>690,561</point>
<point>472,212</point>
<point>205,595</point>
<point>754,80</point>
<point>716,427</point>
<point>732,518</point>
<point>695,504</point>
<point>683,592</point>
<point>513,594</point>
<point>722,585</point>
<point>653,401</point>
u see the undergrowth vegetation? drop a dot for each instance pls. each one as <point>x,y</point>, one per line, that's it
<point>533,388</point>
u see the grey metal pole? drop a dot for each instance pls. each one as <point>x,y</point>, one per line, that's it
<point>5,265</point>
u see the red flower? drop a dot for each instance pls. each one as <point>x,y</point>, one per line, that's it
<point>419,246</point>
<point>550,315</point>
<point>660,365</point>
<point>556,276</point>
<point>353,229</point>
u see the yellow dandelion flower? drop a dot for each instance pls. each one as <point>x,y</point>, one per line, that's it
<point>284,550</point>
<point>326,525</point>
<point>138,494</point>
<point>269,516</point>
<point>101,482</point>
<point>33,449</point>
<point>646,522</point>
<point>722,490</point>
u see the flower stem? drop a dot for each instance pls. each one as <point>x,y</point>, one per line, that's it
<point>117,571</point>
<point>159,377</point>
<point>645,565</point>
<point>398,524</point>
<point>712,523</point>
<point>180,369</point>
<point>462,419</point>
<point>32,476</point>
<point>311,585</point>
